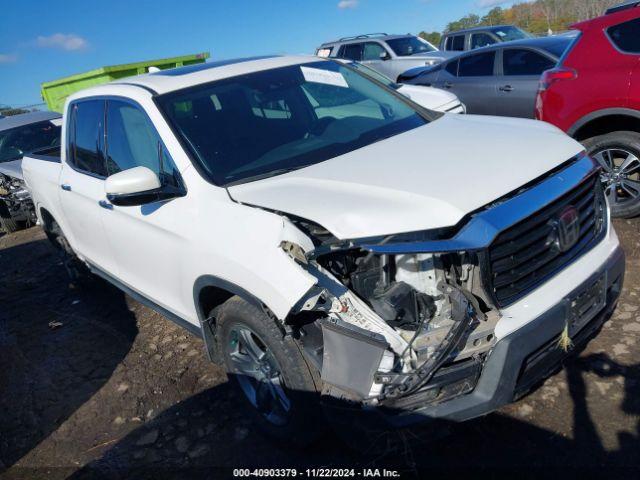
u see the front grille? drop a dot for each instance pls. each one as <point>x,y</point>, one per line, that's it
<point>525,255</point>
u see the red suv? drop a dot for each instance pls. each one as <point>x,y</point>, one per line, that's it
<point>594,96</point>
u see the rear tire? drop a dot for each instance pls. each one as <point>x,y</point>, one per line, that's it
<point>77,270</point>
<point>279,389</point>
<point>7,222</point>
<point>618,153</point>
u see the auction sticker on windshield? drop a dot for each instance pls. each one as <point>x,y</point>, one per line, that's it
<point>326,77</point>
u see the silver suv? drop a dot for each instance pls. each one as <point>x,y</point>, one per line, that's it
<point>390,55</point>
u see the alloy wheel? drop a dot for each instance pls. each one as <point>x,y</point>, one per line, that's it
<point>620,174</point>
<point>258,374</point>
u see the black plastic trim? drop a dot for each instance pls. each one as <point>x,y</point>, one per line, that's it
<point>601,114</point>
<point>181,322</point>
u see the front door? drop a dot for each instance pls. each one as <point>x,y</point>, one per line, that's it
<point>475,84</point>
<point>374,55</point>
<point>146,240</point>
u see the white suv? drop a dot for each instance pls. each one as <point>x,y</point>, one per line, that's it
<point>337,247</point>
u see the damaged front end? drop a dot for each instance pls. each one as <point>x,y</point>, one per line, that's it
<point>16,199</point>
<point>400,329</point>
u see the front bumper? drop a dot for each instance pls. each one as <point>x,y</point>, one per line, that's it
<point>516,364</point>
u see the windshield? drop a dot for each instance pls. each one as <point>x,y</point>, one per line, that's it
<point>507,34</point>
<point>270,122</point>
<point>407,46</point>
<point>375,75</point>
<point>16,142</point>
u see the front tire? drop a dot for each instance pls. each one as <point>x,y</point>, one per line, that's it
<point>270,372</point>
<point>618,153</point>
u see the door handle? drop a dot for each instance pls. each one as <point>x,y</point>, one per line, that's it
<point>106,205</point>
<point>506,88</point>
<point>65,187</point>
<point>448,85</point>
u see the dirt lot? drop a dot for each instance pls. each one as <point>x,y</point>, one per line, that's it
<point>117,388</point>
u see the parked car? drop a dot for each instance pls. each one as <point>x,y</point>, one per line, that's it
<point>594,96</point>
<point>499,80</point>
<point>333,262</point>
<point>427,97</point>
<point>19,135</point>
<point>478,37</point>
<point>388,54</point>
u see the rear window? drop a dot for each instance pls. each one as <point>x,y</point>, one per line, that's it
<point>558,48</point>
<point>626,36</point>
<point>86,140</point>
<point>457,43</point>
<point>324,52</point>
<point>522,62</point>
<point>407,46</point>
<point>479,65</point>
<point>351,52</point>
<point>479,40</point>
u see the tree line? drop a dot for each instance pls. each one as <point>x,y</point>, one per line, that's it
<point>539,17</point>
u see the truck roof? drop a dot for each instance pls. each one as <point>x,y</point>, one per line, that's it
<point>22,119</point>
<point>178,78</point>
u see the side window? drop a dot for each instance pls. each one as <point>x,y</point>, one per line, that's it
<point>457,44</point>
<point>132,141</point>
<point>525,62</point>
<point>626,36</point>
<point>372,51</point>
<point>479,40</point>
<point>479,65</point>
<point>352,51</point>
<point>452,68</point>
<point>87,137</point>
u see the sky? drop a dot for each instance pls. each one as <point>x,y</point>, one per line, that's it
<point>43,40</point>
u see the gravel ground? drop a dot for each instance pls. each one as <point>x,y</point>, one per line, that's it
<point>93,383</point>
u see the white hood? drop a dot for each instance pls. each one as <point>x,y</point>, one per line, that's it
<point>12,169</point>
<point>429,177</point>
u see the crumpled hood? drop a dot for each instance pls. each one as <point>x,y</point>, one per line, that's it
<point>429,177</point>
<point>12,169</point>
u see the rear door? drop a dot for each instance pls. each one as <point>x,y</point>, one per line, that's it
<point>626,39</point>
<point>82,178</point>
<point>475,83</point>
<point>518,81</point>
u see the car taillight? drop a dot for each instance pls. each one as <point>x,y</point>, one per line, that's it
<point>557,74</point>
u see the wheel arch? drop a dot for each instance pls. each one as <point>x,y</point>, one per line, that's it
<point>605,121</point>
<point>210,292</point>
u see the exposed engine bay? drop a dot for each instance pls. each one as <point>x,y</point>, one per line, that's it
<point>17,199</point>
<point>391,322</point>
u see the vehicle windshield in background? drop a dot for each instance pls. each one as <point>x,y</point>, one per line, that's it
<point>507,34</point>
<point>16,142</point>
<point>375,75</point>
<point>407,46</point>
<point>268,123</point>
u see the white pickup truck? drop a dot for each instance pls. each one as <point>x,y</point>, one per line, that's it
<point>338,247</point>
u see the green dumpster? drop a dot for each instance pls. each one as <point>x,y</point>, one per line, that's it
<point>56,92</point>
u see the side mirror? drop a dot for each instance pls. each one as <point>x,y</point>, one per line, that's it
<point>384,56</point>
<point>138,186</point>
